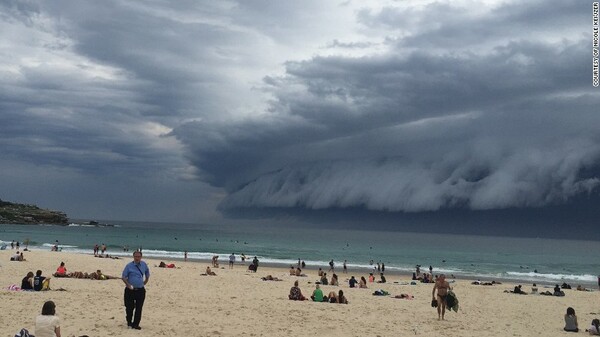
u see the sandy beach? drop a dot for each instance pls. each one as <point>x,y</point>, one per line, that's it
<point>238,303</point>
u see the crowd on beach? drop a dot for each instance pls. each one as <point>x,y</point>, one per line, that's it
<point>324,290</point>
<point>339,297</point>
<point>445,297</point>
<point>38,282</point>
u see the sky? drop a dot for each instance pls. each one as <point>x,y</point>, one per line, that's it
<point>207,111</point>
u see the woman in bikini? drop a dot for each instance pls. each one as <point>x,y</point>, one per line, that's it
<point>442,287</point>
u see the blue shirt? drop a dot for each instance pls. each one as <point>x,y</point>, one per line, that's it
<point>134,273</point>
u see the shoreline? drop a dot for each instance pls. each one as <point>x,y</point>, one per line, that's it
<point>357,271</point>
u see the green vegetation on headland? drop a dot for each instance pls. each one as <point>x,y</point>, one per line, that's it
<point>12,213</point>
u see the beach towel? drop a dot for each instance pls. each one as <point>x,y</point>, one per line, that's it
<point>452,301</point>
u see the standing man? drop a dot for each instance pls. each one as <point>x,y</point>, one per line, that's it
<point>231,260</point>
<point>331,264</point>
<point>135,293</point>
<point>442,287</point>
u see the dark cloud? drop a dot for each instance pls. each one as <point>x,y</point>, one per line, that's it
<point>394,107</point>
<point>501,126</point>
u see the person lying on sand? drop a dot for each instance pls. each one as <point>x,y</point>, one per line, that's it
<point>164,265</point>
<point>405,296</point>
<point>98,275</point>
<point>270,278</point>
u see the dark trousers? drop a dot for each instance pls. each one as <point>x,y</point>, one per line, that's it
<point>134,299</point>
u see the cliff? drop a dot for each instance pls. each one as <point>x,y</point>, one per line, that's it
<point>13,213</point>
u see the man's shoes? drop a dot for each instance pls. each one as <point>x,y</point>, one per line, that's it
<point>137,327</point>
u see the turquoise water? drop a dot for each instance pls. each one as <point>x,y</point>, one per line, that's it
<point>500,258</point>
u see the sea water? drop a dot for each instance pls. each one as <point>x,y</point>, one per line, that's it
<point>545,261</point>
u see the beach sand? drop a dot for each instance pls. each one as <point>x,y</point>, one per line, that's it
<point>239,303</point>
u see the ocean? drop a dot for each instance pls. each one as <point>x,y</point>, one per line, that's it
<point>527,260</point>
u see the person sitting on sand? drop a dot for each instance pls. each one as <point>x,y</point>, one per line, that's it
<point>518,290</point>
<point>320,272</point>
<point>317,294</point>
<point>27,282</point>
<point>341,298</point>
<point>352,282</point>
<point>324,279</point>
<point>557,291</point>
<point>534,289</point>
<point>571,321</point>
<point>16,257</point>
<point>299,272</point>
<point>210,272</point>
<point>362,283</point>
<point>332,297</point>
<point>382,278</point>
<point>371,278</point>
<point>296,293</point>
<point>47,324</point>
<point>594,328</point>
<point>292,271</point>
<point>40,282</point>
<point>61,271</point>
<point>334,280</point>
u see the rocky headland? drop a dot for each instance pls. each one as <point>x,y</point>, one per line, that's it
<point>13,213</point>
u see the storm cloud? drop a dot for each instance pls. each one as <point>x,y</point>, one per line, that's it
<point>462,115</point>
<point>162,111</point>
